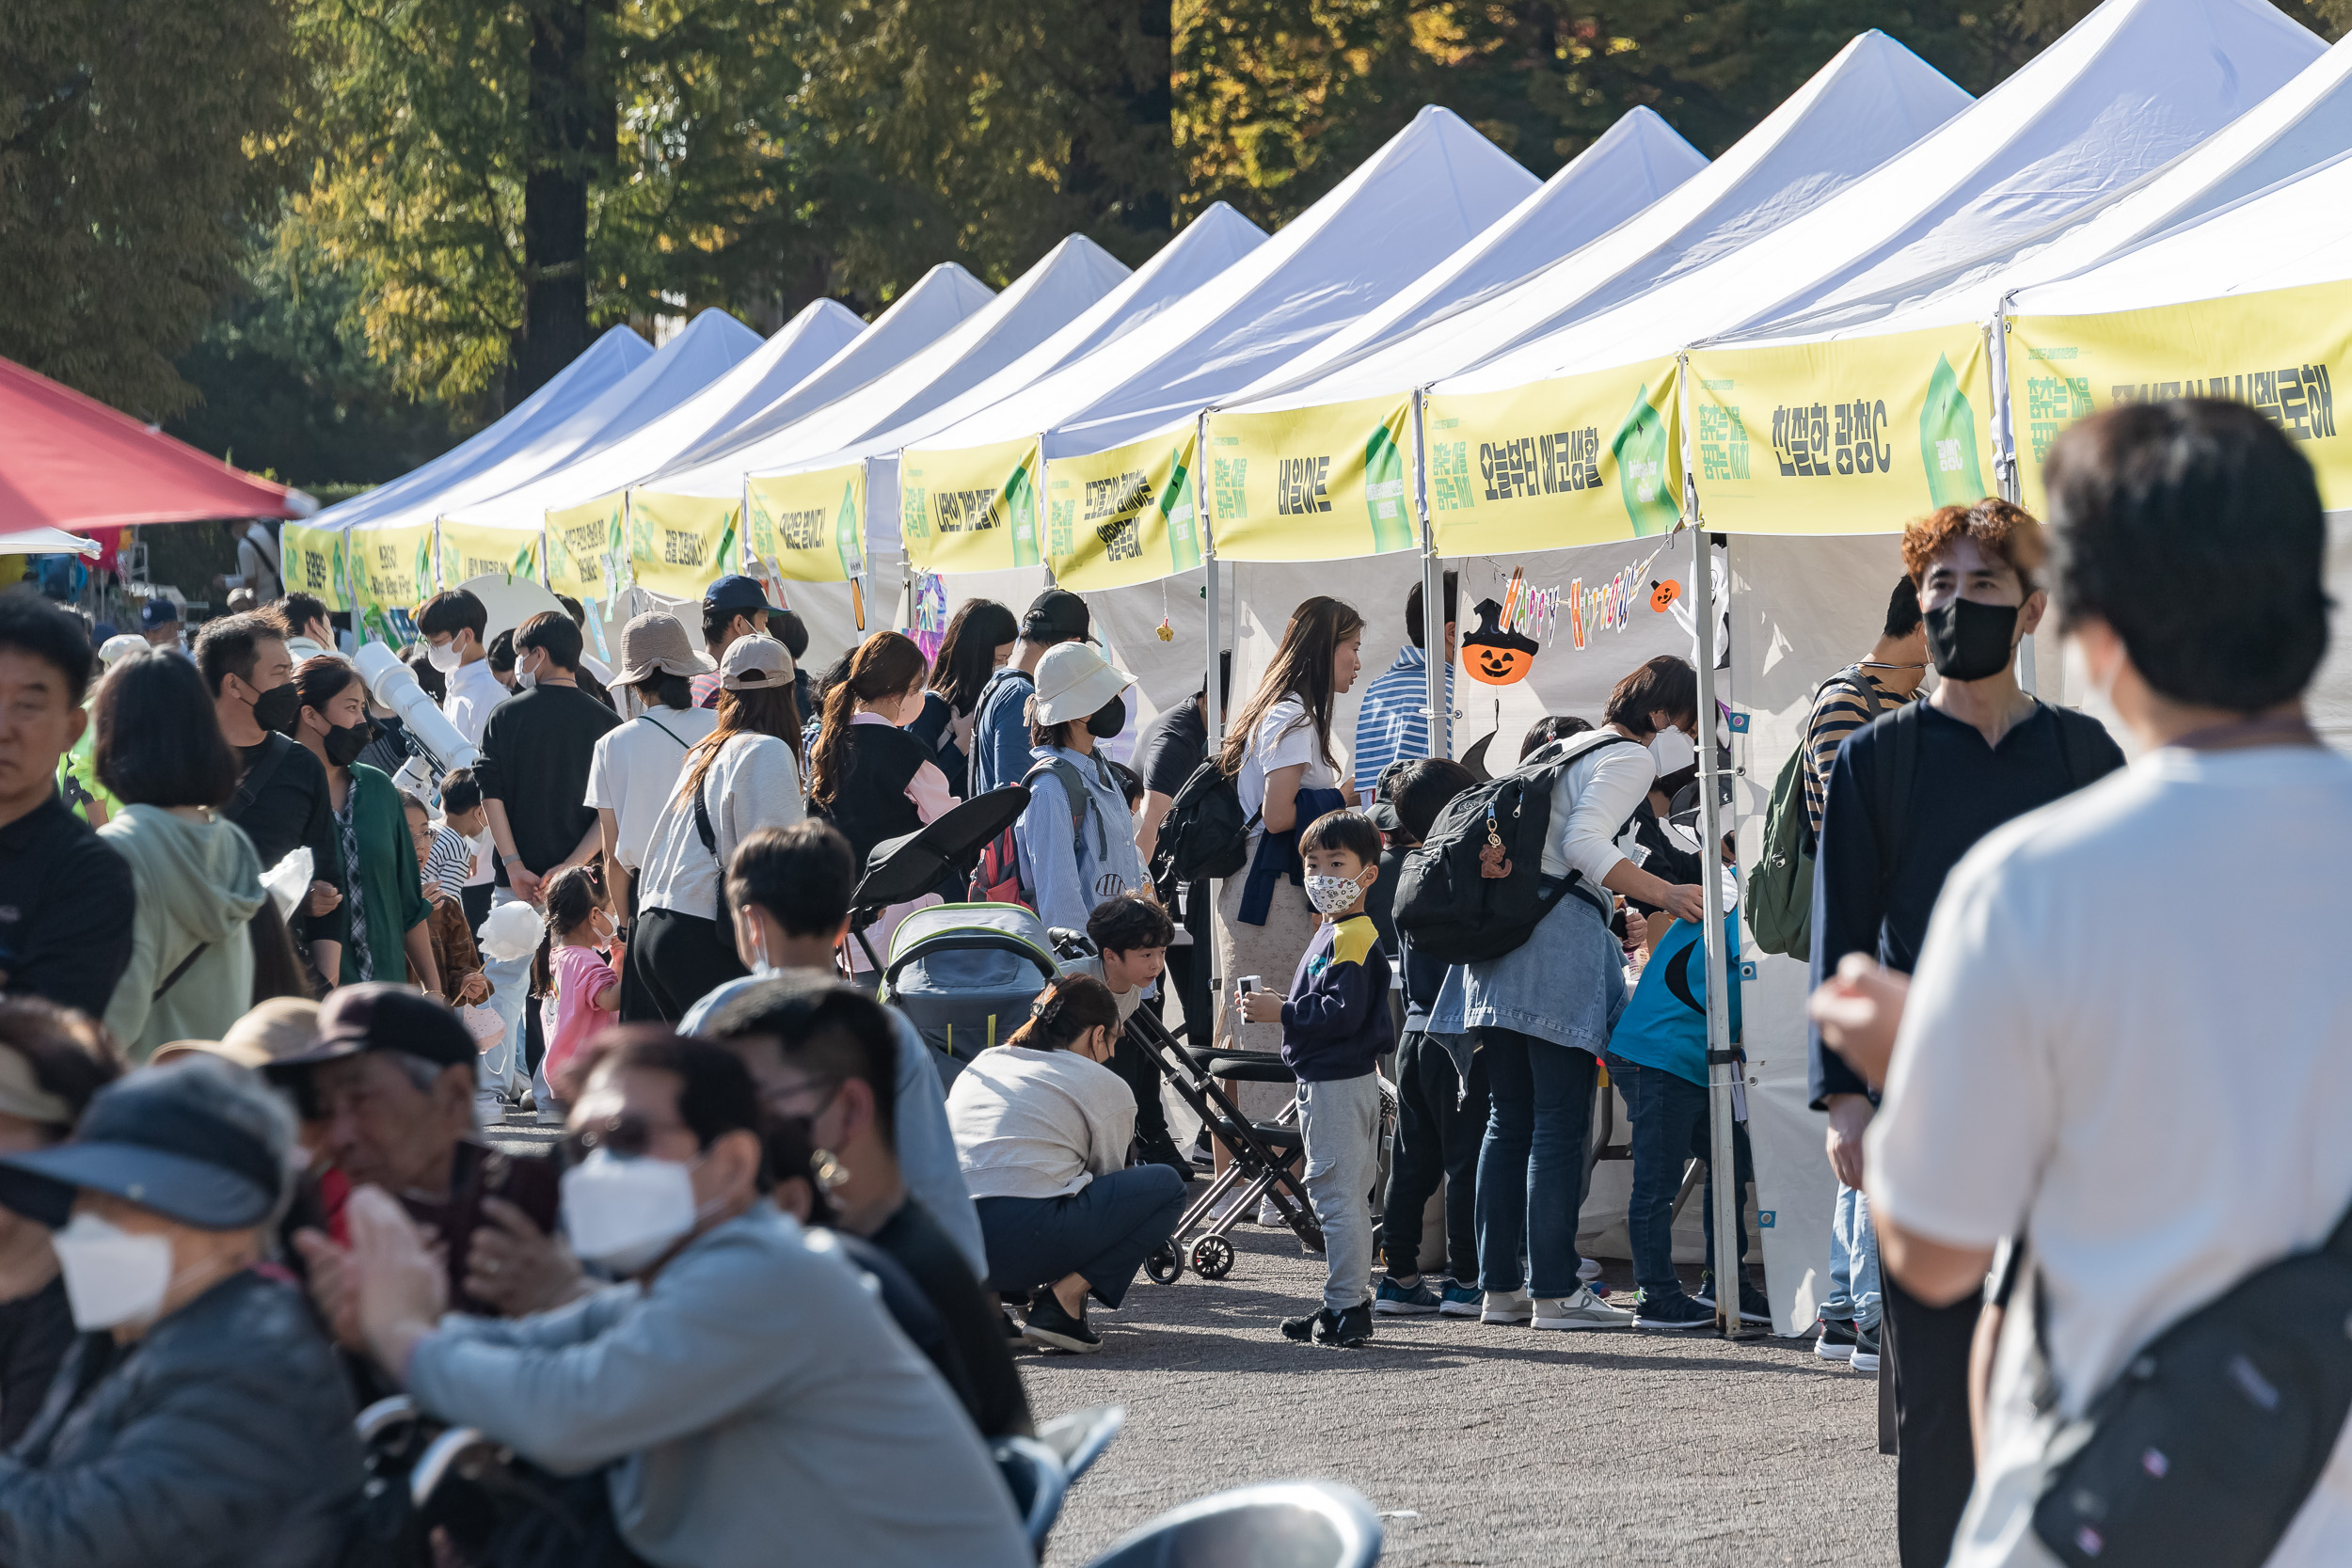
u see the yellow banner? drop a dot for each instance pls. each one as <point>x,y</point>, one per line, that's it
<point>1575,461</point>
<point>472,552</point>
<point>1127,516</point>
<point>810,526</point>
<point>2277,350</point>
<point>1319,483</point>
<point>391,568</point>
<point>312,563</point>
<point>581,541</point>
<point>679,544</point>
<point>973,509</point>
<point>1856,435</point>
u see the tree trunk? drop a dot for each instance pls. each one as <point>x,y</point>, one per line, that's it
<point>568,117</point>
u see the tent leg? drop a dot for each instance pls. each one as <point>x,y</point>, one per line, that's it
<point>1722,1061</point>
<point>1437,710</point>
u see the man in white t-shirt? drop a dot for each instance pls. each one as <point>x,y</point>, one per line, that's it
<point>2082,1060</point>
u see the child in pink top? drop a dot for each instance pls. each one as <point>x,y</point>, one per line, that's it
<point>579,993</point>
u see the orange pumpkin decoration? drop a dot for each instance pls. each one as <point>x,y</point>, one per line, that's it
<point>1493,656</point>
<point>1663,593</point>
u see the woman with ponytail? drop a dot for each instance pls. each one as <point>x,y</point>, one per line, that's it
<point>1041,1130</point>
<point>868,776</point>
<point>743,776</point>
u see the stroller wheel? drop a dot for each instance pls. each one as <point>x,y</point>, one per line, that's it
<point>1163,1263</point>
<point>1212,1258</point>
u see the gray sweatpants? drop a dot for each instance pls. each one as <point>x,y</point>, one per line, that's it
<point>1341,1121</point>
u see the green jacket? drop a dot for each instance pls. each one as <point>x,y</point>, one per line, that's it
<point>196,885</point>
<point>387,874</point>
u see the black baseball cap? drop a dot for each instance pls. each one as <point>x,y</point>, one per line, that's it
<point>379,1016</point>
<point>1058,615</point>
<point>734,592</point>
<point>157,1138</point>
<point>1383,808</point>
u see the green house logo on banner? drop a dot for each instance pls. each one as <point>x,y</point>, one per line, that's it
<point>1641,450</point>
<point>1948,441</point>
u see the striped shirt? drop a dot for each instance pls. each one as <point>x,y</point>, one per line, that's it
<point>1840,708</point>
<point>1390,723</point>
<point>449,862</point>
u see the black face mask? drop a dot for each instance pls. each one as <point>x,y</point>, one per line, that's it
<point>1108,720</point>
<point>278,708</point>
<point>1969,641</point>
<point>344,743</point>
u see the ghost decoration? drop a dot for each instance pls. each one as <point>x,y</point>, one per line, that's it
<point>1494,655</point>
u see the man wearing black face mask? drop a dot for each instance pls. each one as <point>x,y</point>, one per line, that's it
<point>1909,795</point>
<point>282,801</point>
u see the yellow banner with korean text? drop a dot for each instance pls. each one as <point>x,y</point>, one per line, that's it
<point>1852,435</point>
<point>1321,483</point>
<point>973,509</point>
<point>389,568</point>
<point>809,527</point>
<point>1576,461</point>
<point>2277,350</point>
<point>311,560</point>
<point>679,544</point>
<point>584,544</point>
<point>471,552</point>
<point>1127,516</point>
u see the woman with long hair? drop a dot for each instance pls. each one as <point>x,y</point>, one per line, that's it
<point>391,935</point>
<point>979,642</point>
<point>743,776</point>
<point>869,777</point>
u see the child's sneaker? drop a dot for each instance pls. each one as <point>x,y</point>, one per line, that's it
<point>1349,1329</point>
<point>1754,1308</point>
<point>1405,1301</point>
<point>1670,1309</point>
<point>1506,1307</point>
<point>1865,1350</point>
<point>1460,1301</point>
<point>1581,1310</point>
<point>1308,1328</point>
<point>1836,1341</point>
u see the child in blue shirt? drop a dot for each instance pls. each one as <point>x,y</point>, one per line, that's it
<point>1334,1024</point>
<point>1657,1058</point>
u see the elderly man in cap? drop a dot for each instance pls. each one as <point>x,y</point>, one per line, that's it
<point>733,607</point>
<point>159,623</point>
<point>1000,718</point>
<point>201,1421</point>
<point>388,1083</point>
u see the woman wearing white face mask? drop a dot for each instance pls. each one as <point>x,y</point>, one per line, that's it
<point>734,1429</point>
<point>219,1407</point>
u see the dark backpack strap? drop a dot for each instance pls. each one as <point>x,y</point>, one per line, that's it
<point>1073,788</point>
<point>186,964</point>
<point>666,730</point>
<point>2072,755</point>
<point>1896,776</point>
<point>258,777</point>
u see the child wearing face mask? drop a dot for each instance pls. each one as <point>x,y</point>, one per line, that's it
<point>1335,1023</point>
<point>579,993</point>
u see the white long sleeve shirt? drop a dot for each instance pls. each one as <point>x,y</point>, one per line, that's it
<point>1590,805</point>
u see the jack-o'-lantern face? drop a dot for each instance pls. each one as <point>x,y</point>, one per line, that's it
<point>1663,593</point>
<point>1493,656</point>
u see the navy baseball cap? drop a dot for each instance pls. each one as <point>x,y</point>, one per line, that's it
<point>162,1138</point>
<point>735,593</point>
<point>158,612</point>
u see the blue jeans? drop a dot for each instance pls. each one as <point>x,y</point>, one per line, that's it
<point>1669,1127</point>
<point>1530,1167</point>
<point>1854,1262</point>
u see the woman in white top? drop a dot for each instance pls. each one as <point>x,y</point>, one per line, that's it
<point>745,775</point>
<point>1041,1130</point>
<point>1278,744</point>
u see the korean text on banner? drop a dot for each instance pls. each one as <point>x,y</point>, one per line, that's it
<point>972,510</point>
<point>579,540</point>
<point>313,558</point>
<point>468,552</point>
<point>1126,516</point>
<point>1319,483</point>
<point>677,545</point>
<point>1576,461</point>
<point>391,568</point>
<point>2278,350</point>
<point>810,525</point>
<point>1853,435</point>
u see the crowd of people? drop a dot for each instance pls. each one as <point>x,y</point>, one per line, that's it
<point>264,1001</point>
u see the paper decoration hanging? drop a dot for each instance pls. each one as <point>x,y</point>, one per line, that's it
<point>1662,594</point>
<point>1493,653</point>
<point>930,613</point>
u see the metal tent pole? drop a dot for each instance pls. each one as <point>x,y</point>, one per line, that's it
<point>1213,705</point>
<point>1723,1064</point>
<point>1434,708</point>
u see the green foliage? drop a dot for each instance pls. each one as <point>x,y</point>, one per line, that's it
<point>136,139</point>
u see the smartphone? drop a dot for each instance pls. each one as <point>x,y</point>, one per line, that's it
<point>1247,983</point>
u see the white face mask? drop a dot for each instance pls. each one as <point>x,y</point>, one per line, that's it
<point>444,656</point>
<point>481,841</point>
<point>627,1213</point>
<point>112,1277</point>
<point>1331,895</point>
<point>525,679</point>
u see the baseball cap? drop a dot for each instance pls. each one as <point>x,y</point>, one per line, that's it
<point>281,1026</point>
<point>654,643</point>
<point>755,664</point>
<point>379,1016</point>
<point>738,592</point>
<point>164,1138</point>
<point>1383,808</point>
<point>158,611</point>
<point>1073,680</point>
<point>1056,614</point>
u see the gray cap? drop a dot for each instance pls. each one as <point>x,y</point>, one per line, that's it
<point>755,664</point>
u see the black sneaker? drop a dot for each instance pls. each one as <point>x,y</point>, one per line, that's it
<point>1865,1350</point>
<point>1755,1307</point>
<point>1836,1341</point>
<point>1162,1150</point>
<point>1050,1325</point>
<point>1315,1326</point>
<point>1349,1329</point>
<point>1202,1159</point>
<point>1012,1327</point>
<point>1670,1309</point>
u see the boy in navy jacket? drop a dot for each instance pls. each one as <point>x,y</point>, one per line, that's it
<point>1334,1024</point>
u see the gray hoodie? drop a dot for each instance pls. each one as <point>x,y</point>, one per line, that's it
<point>197,886</point>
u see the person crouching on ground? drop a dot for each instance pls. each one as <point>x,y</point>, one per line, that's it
<point>1131,934</point>
<point>1334,1024</point>
<point>1042,1128</point>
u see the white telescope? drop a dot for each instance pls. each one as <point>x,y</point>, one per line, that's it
<point>395,687</point>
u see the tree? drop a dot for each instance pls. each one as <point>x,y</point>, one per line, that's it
<point>137,140</point>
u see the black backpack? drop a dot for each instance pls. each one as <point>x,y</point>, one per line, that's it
<point>1205,834</point>
<point>1472,891</point>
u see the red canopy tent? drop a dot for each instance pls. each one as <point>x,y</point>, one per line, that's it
<point>69,462</point>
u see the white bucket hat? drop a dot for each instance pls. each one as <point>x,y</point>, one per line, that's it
<point>1073,680</point>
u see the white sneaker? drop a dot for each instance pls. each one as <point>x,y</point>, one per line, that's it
<point>1269,1214</point>
<point>1581,1310</point>
<point>1588,1270</point>
<point>1505,1306</point>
